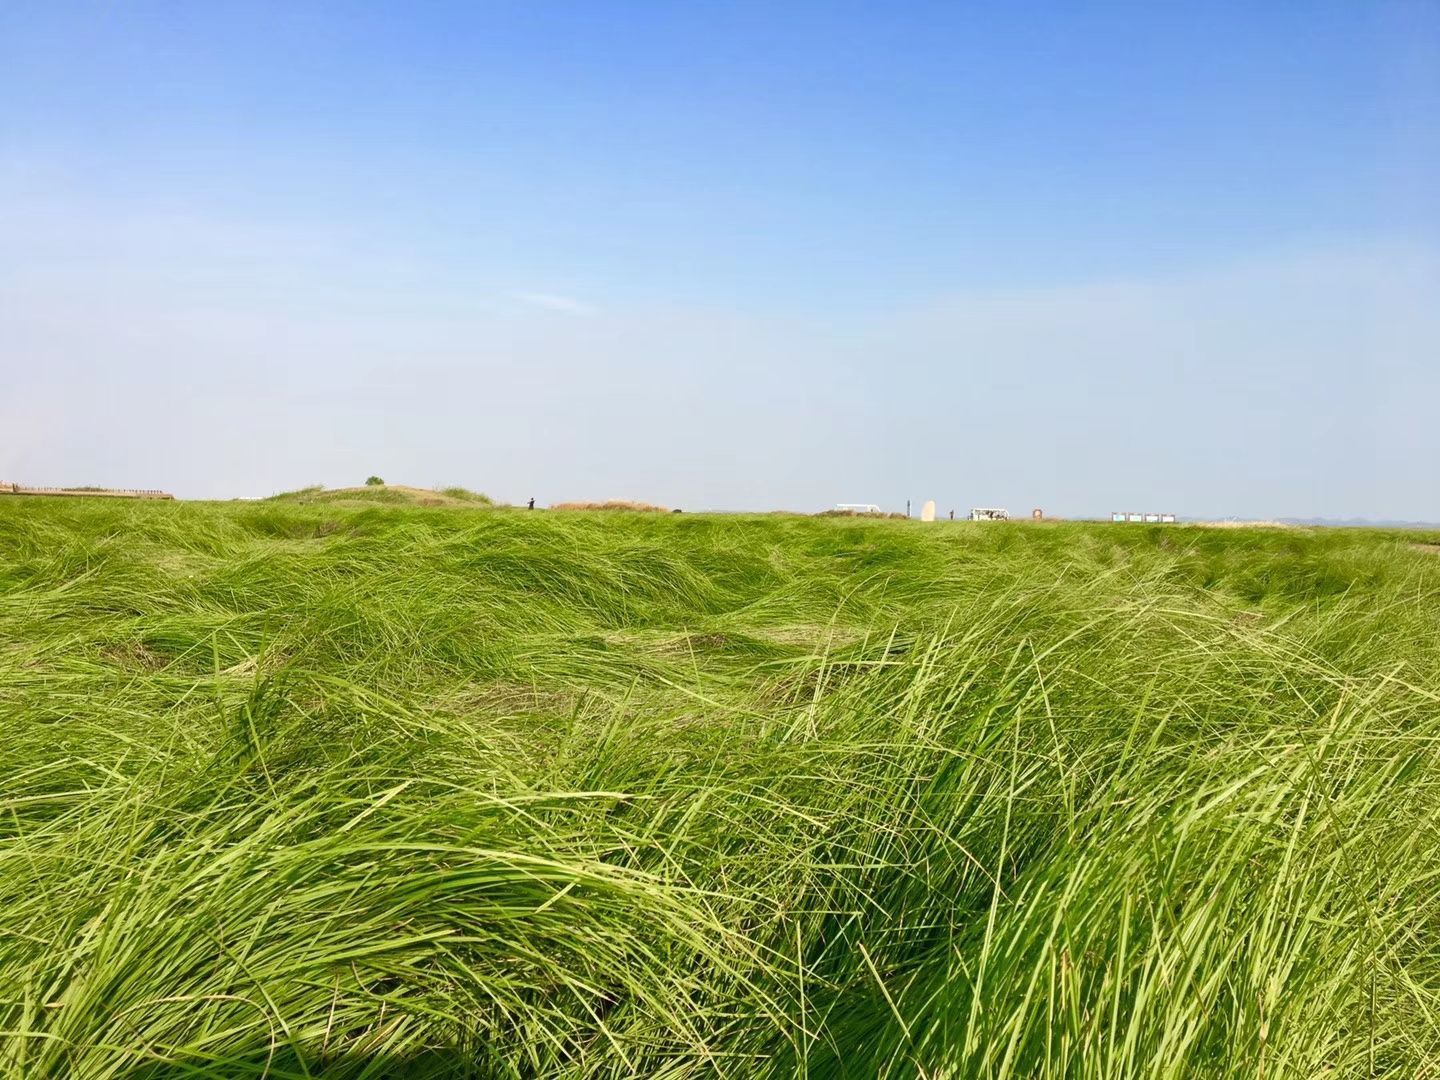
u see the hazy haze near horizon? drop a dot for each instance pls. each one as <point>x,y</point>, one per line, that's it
<point>731,257</point>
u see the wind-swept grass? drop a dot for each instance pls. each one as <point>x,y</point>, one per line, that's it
<point>320,789</point>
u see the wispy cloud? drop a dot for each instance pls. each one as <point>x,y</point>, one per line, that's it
<point>553,302</point>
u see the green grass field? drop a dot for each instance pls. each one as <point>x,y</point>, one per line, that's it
<point>301,788</point>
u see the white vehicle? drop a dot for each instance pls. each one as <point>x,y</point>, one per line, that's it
<point>989,513</point>
<point>858,508</point>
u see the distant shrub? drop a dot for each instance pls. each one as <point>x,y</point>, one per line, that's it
<point>374,481</point>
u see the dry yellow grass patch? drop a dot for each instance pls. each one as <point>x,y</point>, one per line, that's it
<point>1242,525</point>
<point>611,504</point>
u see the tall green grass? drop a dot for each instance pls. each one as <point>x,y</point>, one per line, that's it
<point>301,790</point>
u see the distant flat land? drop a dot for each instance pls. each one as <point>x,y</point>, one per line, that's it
<point>356,786</point>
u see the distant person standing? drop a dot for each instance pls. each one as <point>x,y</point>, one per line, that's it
<point>532,504</point>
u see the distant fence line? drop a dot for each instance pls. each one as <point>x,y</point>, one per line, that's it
<point>1149,518</point>
<point>101,493</point>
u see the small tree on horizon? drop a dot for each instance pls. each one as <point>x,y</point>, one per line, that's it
<point>374,481</point>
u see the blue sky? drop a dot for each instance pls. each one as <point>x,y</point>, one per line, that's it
<point>1087,257</point>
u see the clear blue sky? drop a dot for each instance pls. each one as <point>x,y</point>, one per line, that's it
<point>1086,257</point>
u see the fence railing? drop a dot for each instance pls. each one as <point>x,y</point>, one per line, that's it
<point>102,493</point>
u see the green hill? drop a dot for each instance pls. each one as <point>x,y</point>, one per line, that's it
<point>384,494</point>
<point>325,785</point>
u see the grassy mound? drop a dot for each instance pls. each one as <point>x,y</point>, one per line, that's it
<point>292,790</point>
<point>384,494</point>
<point>860,514</point>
